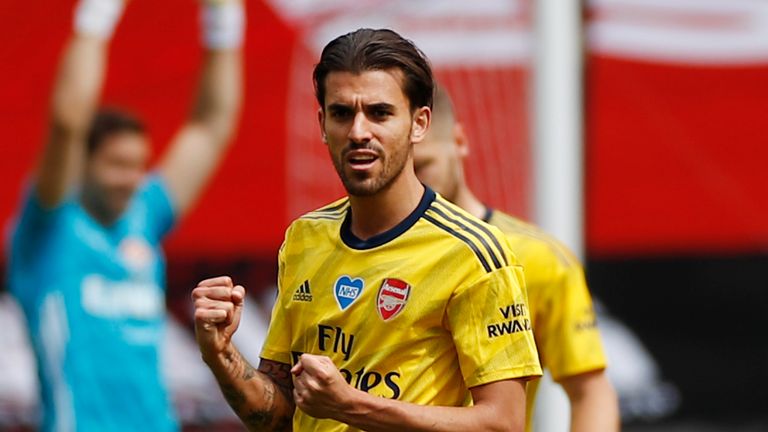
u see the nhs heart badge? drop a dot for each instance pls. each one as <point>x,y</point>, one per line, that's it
<point>347,290</point>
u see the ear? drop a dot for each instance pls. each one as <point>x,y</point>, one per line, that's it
<point>321,123</point>
<point>461,140</point>
<point>422,118</point>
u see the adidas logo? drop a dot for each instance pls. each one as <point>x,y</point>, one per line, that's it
<point>302,293</point>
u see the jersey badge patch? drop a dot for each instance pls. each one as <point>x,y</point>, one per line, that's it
<point>136,252</point>
<point>347,290</point>
<point>392,297</point>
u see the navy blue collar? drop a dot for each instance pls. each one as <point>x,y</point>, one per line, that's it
<point>354,242</point>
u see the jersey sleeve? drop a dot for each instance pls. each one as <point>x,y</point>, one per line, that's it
<point>491,329</point>
<point>33,233</point>
<point>33,220</point>
<point>32,229</point>
<point>277,345</point>
<point>161,211</point>
<point>567,332</point>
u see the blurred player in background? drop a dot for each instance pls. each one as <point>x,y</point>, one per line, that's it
<point>564,323</point>
<point>395,307</point>
<point>85,259</point>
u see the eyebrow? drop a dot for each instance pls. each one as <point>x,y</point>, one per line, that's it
<point>336,106</point>
<point>381,106</point>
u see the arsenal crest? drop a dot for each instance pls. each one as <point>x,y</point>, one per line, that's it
<point>392,297</point>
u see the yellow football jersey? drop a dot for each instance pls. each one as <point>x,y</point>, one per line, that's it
<point>564,322</point>
<point>420,313</point>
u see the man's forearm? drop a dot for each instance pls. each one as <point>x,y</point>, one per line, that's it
<point>220,90</point>
<point>81,74</point>
<point>498,406</point>
<point>261,404</point>
<point>595,413</point>
<point>219,94</point>
<point>200,144</point>
<point>73,104</point>
<point>375,414</point>
<point>594,406</point>
<point>78,84</point>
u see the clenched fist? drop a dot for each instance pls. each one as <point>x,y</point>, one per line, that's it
<point>218,307</point>
<point>319,389</point>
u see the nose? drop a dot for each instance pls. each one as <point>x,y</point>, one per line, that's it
<point>360,131</point>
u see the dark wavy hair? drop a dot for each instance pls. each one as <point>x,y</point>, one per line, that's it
<point>110,121</point>
<point>377,49</point>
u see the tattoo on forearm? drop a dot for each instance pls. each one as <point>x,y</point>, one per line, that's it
<point>264,416</point>
<point>281,376</point>
<point>235,397</point>
<point>278,376</point>
<point>249,371</point>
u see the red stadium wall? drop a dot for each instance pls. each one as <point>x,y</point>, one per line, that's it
<point>676,100</point>
<point>676,157</point>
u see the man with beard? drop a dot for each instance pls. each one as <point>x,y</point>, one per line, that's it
<point>396,309</point>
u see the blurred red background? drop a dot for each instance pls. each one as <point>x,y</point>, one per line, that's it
<point>675,151</point>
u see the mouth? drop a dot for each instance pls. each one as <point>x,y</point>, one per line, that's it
<point>362,160</point>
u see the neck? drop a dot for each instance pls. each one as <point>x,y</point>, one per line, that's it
<point>468,201</point>
<point>378,213</point>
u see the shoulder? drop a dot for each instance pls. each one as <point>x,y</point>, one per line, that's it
<point>154,190</point>
<point>33,219</point>
<point>153,208</point>
<point>333,211</point>
<point>532,244</point>
<point>330,214</point>
<point>485,242</point>
<point>153,201</point>
<point>322,219</point>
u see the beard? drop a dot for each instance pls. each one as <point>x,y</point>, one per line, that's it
<point>364,184</point>
<point>106,203</point>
